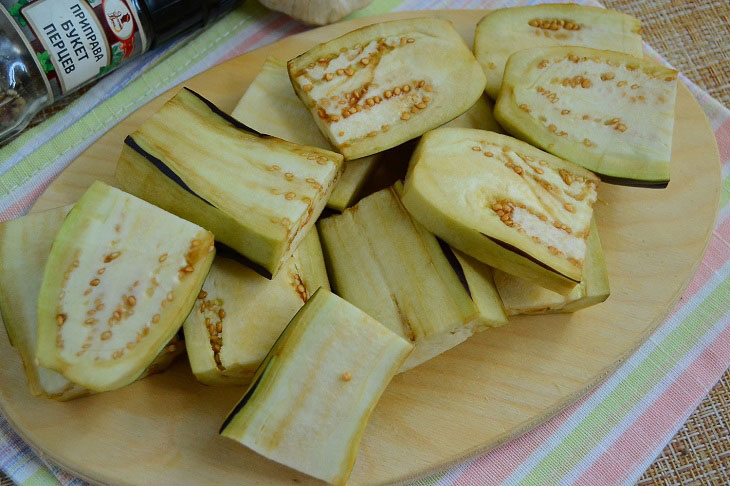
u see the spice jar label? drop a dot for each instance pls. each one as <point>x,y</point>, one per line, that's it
<point>76,41</point>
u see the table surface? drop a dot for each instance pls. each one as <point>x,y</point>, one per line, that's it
<point>693,37</point>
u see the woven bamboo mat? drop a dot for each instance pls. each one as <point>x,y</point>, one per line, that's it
<point>695,37</point>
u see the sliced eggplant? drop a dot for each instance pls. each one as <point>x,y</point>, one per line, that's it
<point>271,106</point>
<point>503,202</point>
<point>381,85</point>
<point>522,297</point>
<point>389,266</point>
<point>476,277</point>
<point>311,263</point>
<point>479,279</point>
<point>608,112</point>
<point>239,314</point>
<point>504,31</point>
<point>120,279</point>
<point>25,243</point>
<point>313,394</point>
<point>480,115</point>
<point>258,194</point>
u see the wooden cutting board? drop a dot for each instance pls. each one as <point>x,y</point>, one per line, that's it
<point>494,387</point>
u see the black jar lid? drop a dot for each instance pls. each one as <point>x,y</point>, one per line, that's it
<point>171,18</point>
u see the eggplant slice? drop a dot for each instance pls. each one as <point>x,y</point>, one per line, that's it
<point>120,279</point>
<point>25,244</point>
<point>504,31</point>
<point>313,394</point>
<point>239,314</point>
<point>608,112</point>
<point>381,85</point>
<point>391,267</point>
<point>503,202</point>
<point>259,195</point>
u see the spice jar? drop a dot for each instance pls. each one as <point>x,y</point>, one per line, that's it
<point>50,48</point>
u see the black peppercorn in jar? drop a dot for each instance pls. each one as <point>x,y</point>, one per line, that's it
<point>49,48</point>
<point>22,91</point>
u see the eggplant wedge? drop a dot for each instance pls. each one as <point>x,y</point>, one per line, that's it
<point>503,202</point>
<point>239,314</point>
<point>479,279</point>
<point>522,297</point>
<point>259,195</point>
<point>271,106</point>
<point>25,244</point>
<point>120,279</point>
<point>480,115</point>
<point>476,277</point>
<point>381,85</point>
<point>313,394</point>
<point>389,266</point>
<point>608,112</point>
<point>504,31</point>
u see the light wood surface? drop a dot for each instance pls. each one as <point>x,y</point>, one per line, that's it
<point>495,386</point>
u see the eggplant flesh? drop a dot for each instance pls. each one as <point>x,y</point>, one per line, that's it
<point>503,202</point>
<point>522,297</point>
<point>119,281</point>
<point>239,314</point>
<point>271,106</point>
<point>389,266</point>
<point>480,115</point>
<point>258,194</point>
<point>25,244</point>
<point>316,388</point>
<point>608,112</point>
<point>381,85</point>
<point>504,31</point>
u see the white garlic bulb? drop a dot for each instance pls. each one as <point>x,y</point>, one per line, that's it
<point>316,12</point>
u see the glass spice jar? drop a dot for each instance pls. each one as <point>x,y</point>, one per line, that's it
<point>50,48</point>
<point>21,93</point>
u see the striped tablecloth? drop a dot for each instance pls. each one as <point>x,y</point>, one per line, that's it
<point>609,437</point>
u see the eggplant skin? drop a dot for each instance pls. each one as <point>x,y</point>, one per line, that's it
<point>606,111</point>
<point>398,79</point>
<point>160,165</point>
<point>628,182</point>
<point>504,31</point>
<point>222,114</point>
